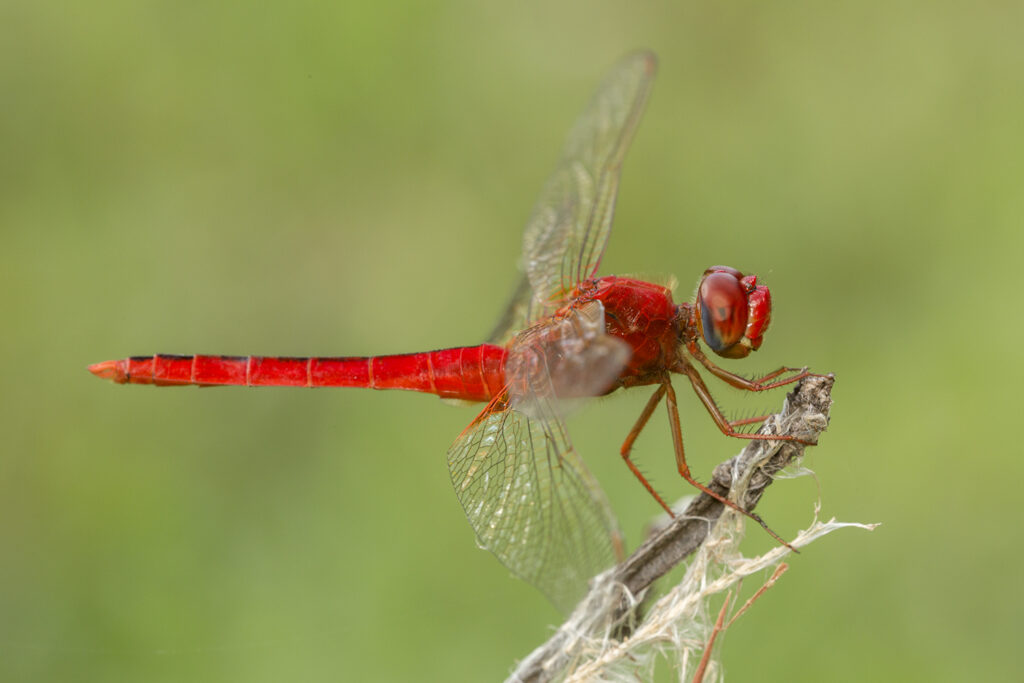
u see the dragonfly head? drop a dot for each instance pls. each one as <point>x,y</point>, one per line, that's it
<point>732,311</point>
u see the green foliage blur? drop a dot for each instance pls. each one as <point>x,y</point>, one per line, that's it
<point>351,178</point>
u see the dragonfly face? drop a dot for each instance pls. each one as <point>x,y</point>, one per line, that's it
<point>733,311</point>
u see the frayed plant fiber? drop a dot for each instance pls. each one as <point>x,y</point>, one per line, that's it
<point>613,635</point>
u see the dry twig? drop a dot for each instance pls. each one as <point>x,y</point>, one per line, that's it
<point>604,631</point>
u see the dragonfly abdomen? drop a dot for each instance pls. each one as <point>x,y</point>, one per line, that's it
<point>474,373</point>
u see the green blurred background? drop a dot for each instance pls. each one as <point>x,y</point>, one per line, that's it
<point>351,178</point>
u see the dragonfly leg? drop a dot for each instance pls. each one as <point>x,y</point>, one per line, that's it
<point>763,383</point>
<point>627,446</point>
<point>684,469</point>
<point>726,426</point>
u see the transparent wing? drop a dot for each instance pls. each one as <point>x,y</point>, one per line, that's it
<point>566,235</point>
<point>527,493</point>
<point>570,356</point>
<point>569,227</point>
<point>532,501</point>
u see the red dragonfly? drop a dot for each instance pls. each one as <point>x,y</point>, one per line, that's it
<point>566,334</point>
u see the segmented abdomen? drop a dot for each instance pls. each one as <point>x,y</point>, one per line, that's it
<point>474,373</point>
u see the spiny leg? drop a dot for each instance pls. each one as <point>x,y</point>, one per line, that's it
<point>762,383</point>
<point>684,469</point>
<point>627,446</point>
<point>727,427</point>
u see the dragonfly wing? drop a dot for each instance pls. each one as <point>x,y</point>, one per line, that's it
<point>527,493</point>
<point>532,501</point>
<point>569,227</point>
<point>568,357</point>
<point>567,233</point>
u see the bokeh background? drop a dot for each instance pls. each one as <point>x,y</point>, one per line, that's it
<point>351,178</point>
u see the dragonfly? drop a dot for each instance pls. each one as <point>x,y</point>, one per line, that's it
<point>566,334</point>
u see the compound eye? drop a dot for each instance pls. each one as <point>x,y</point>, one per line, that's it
<point>723,310</point>
<point>724,269</point>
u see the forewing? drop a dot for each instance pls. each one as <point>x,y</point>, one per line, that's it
<point>532,501</point>
<point>569,227</point>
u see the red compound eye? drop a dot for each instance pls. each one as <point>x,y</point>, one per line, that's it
<point>724,269</point>
<point>722,303</point>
